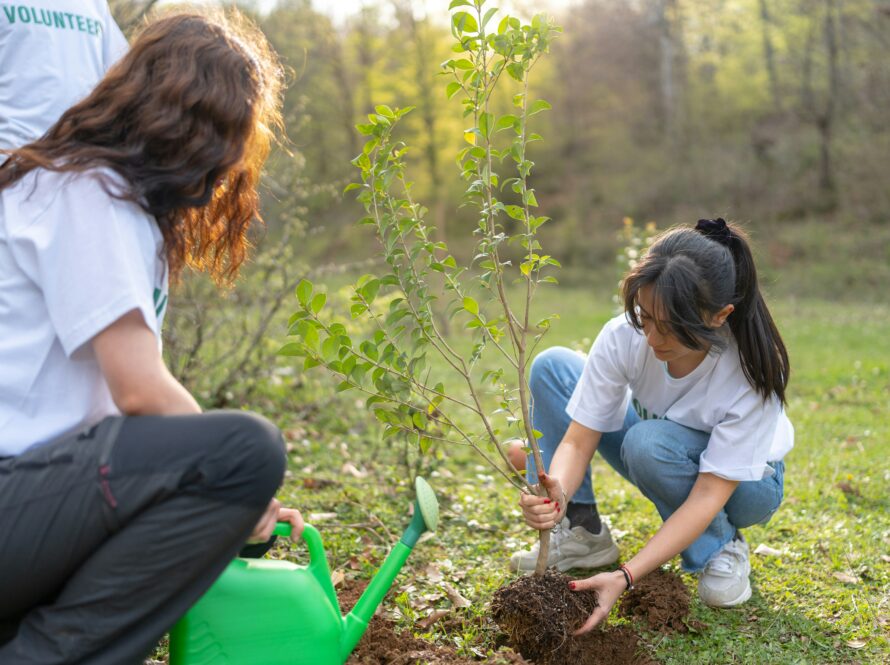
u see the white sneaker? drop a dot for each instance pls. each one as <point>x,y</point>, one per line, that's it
<point>570,548</point>
<point>724,581</point>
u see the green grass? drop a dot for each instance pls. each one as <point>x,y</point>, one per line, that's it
<point>834,524</point>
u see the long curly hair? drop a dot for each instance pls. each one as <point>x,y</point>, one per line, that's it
<point>187,119</point>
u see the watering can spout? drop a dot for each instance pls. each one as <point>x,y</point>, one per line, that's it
<point>425,518</point>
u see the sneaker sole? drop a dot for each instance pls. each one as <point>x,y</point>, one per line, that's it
<point>605,558</point>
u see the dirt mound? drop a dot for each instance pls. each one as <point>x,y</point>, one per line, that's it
<point>540,612</point>
<point>383,645</point>
<point>660,601</point>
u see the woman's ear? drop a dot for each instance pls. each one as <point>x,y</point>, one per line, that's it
<point>720,317</point>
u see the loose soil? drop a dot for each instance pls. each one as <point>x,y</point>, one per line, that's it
<point>660,601</point>
<point>383,645</point>
<point>538,615</point>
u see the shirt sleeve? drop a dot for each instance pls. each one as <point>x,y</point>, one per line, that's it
<point>114,44</point>
<point>740,444</point>
<point>602,394</point>
<point>83,250</point>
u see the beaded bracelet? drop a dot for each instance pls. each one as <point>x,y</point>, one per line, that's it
<point>628,577</point>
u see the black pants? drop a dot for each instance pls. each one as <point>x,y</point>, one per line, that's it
<point>109,536</point>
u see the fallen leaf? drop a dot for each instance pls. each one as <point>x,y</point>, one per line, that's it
<point>317,483</point>
<point>453,594</point>
<point>337,577</point>
<point>847,488</point>
<point>846,578</point>
<point>856,644</point>
<point>321,517</point>
<point>432,618</point>
<point>353,470</point>
<point>766,550</point>
<point>433,574</point>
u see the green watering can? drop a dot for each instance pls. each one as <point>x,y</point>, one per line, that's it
<point>265,612</point>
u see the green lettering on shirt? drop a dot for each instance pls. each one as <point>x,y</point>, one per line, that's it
<point>160,301</point>
<point>26,14</point>
<point>643,412</point>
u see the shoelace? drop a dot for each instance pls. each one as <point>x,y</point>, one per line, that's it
<point>725,562</point>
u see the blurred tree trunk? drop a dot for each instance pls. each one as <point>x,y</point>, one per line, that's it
<point>822,115</point>
<point>770,56</point>
<point>345,86</point>
<point>423,78</point>
<point>826,120</point>
<point>366,55</point>
<point>665,15</point>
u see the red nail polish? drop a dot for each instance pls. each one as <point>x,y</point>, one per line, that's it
<point>546,500</point>
<point>572,585</point>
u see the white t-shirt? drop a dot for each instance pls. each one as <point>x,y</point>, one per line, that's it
<point>72,261</point>
<point>52,54</point>
<point>746,431</point>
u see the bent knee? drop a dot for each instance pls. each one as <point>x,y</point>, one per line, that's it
<point>256,448</point>
<point>543,369</point>
<point>644,442</point>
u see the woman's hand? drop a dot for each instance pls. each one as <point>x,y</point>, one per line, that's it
<point>608,586</point>
<point>544,512</point>
<point>275,513</point>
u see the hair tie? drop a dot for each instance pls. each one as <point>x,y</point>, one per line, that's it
<point>715,229</point>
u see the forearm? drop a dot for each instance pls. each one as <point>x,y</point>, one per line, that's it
<point>688,522</point>
<point>160,394</point>
<point>572,457</point>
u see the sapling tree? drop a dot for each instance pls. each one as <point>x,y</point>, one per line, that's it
<point>399,363</point>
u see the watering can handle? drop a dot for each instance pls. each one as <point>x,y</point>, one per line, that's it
<point>283,529</point>
<point>318,560</point>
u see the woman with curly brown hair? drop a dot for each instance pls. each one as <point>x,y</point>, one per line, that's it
<point>120,502</point>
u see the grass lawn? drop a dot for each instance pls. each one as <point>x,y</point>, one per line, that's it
<point>821,597</point>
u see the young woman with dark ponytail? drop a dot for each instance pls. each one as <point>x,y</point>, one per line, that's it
<point>684,396</point>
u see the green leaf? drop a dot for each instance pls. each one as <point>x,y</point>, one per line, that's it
<point>318,302</point>
<point>471,306</point>
<point>491,12</point>
<point>485,123</point>
<point>452,89</point>
<point>505,122</point>
<point>304,291</point>
<point>385,111</point>
<point>291,349</point>
<point>419,419</point>
<point>514,69</point>
<point>343,385</point>
<point>459,3</point>
<point>464,22</point>
<point>538,105</point>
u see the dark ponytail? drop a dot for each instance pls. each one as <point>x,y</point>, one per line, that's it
<point>698,272</point>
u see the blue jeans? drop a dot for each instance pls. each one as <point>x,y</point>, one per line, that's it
<point>660,457</point>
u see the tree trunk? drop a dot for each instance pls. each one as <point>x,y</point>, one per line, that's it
<point>825,122</point>
<point>769,56</point>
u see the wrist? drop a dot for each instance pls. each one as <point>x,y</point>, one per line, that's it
<point>626,576</point>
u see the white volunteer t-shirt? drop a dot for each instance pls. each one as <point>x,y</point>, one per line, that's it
<point>746,431</point>
<point>52,54</point>
<point>72,261</point>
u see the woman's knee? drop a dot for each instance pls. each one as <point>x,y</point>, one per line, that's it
<point>645,446</point>
<point>545,367</point>
<point>256,446</point>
